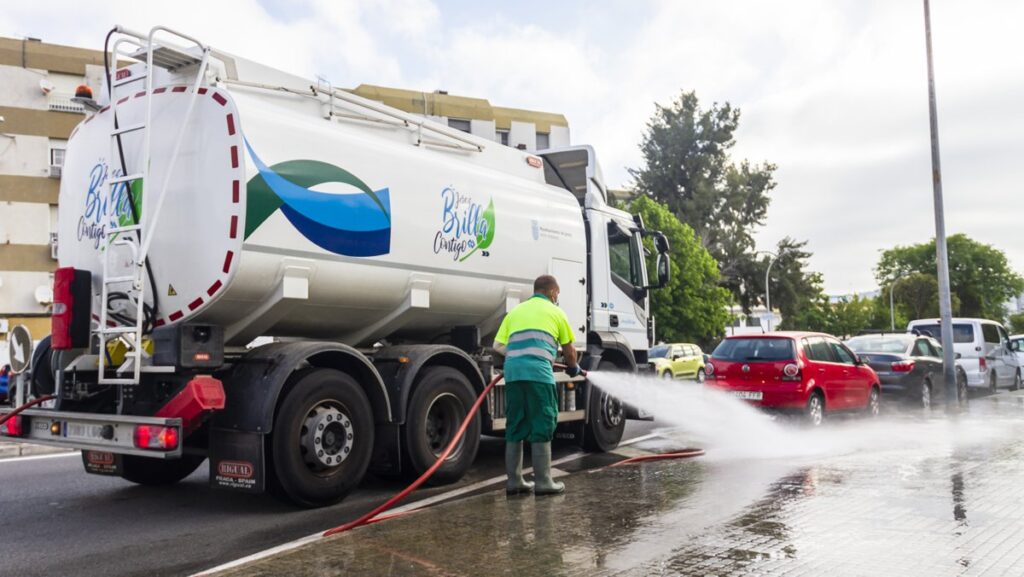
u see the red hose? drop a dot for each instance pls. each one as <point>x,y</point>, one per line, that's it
<point>31,403</point>
<point>369,517</point>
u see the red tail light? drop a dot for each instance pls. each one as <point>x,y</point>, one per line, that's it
<point>709,371</point>
<point>902,366</point>
<point>12,428</point>
<point>72,307</point>
<point>791,372</point>
<point>155,437</point>
<point>982,365</point>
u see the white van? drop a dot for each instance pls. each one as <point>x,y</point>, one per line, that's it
<point>985,355</point>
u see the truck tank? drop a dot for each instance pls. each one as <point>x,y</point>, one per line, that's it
<point>289,214</point>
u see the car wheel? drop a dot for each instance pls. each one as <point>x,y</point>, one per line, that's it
<point>700,375</point>
<point>924,396</point>
<point>961,386</point>
<point>874,406</point>
<point>993,383</point>
<point>1016,381</point>
<point>814,412</point>
<point>667,375</point>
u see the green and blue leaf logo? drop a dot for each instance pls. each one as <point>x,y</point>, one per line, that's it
<point>466,226</point>
<point>345,224</point>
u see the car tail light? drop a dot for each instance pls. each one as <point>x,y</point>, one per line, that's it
<point>72,308</point>
<point>156,437</point>
<point>12,428</point>
<point>791,372</point>
<point>902,366</point>
<point>709,371</point>
<point>982,365</point>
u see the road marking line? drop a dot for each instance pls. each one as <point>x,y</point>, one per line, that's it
<point>38,457</point>
<point>403,509</point>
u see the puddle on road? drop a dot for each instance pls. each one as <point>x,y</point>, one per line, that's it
<point>731,429</point>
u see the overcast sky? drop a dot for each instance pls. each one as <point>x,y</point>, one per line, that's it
<point>833,92</point>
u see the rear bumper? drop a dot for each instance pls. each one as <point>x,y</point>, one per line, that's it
<point>899,386</point>
<point>781,395</point>
<point>91,432</point>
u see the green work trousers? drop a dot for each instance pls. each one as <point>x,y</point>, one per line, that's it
<point>531,410</point>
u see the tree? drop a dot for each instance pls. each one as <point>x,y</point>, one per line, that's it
<point>979,275</point>
<point>1016,323</point>
<point>687,166</point>
<point>692,307</point>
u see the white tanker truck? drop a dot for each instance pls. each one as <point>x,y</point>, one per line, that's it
<point>207,200</point>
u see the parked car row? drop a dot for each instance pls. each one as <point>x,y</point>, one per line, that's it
<point>988,357</point>
<point>678,361</point>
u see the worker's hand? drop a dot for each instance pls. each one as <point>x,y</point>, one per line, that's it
<point>574,371</point>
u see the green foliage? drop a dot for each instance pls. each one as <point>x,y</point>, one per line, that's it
<point>981,280</point>
<point>692,307</point>
<point>687,166</point>
<point>1016,324</point>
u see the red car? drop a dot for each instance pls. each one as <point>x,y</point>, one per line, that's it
<point>812,373</point>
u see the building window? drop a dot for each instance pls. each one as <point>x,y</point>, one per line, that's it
<point>56,157</point>
<point>543,140</point>
<point>501,136</point>
<point>459,124</point>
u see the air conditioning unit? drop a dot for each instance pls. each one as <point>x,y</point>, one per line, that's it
<point>55,170</point>
<point>53,245</point>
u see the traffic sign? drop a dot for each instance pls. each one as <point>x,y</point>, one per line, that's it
<point>20,343</point>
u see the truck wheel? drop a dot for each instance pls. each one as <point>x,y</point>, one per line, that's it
<point>42,381</point>
<point>154,472</point>
<point>439,404</point>
<point>605,418</point>
<point>322,440</point>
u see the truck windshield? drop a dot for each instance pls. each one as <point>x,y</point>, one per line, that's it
<point>755,349</point>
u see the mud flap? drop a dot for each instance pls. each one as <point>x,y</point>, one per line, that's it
<point>387,446</point>
<point>236,461</point>
<point>102,463</point>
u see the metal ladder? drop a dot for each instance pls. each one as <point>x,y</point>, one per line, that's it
<point>137,237</point>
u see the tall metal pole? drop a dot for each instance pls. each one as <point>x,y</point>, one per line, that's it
<point>767,288</point>
<point>941,255</point>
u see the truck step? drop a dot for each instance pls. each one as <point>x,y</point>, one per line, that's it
<point>168,57</point>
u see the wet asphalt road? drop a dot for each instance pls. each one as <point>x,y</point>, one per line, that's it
<point>912,494</point>
<point>57,520</point>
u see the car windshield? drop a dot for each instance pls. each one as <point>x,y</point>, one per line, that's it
<point>755,349</point>
<point>880,344</point>
<point>658,352</point>
<point>961,333</point>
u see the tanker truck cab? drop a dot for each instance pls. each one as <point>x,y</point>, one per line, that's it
<point>208,200</point>
<point>618,297</point>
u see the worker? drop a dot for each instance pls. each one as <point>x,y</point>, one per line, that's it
<point>529,338</point>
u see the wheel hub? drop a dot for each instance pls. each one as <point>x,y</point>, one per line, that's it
<point>443,418</point>
<point>611,410</point>
<point>327,437</point>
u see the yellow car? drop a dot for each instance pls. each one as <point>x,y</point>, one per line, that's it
<point>677,361</point>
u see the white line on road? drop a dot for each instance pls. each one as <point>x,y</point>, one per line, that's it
<point>38,457</point>
<point>405,508</point>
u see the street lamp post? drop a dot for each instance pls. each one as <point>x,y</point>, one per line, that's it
<point>767,285</point>
<point>892,304</point>
<point>941,254</point>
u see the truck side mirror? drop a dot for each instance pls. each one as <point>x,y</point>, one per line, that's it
<point>664,270</point>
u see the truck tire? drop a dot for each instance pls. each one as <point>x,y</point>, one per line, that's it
<point>42,381</point>
<point>439,404</point>
<point>605,418</point>
<point>155,472</point>
<point>322,440</point>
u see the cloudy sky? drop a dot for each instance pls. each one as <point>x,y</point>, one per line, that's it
<point>834,92</point>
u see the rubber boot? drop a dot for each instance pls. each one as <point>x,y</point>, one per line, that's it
<point>514,467</point>
<point>540,453</point>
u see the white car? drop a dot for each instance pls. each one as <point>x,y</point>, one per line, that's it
<point>986,356</point>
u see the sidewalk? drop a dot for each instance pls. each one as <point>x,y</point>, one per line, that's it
<point>929,497</point>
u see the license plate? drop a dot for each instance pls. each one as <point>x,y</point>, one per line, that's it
<point>83,431</point>
<point>748,395</point>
